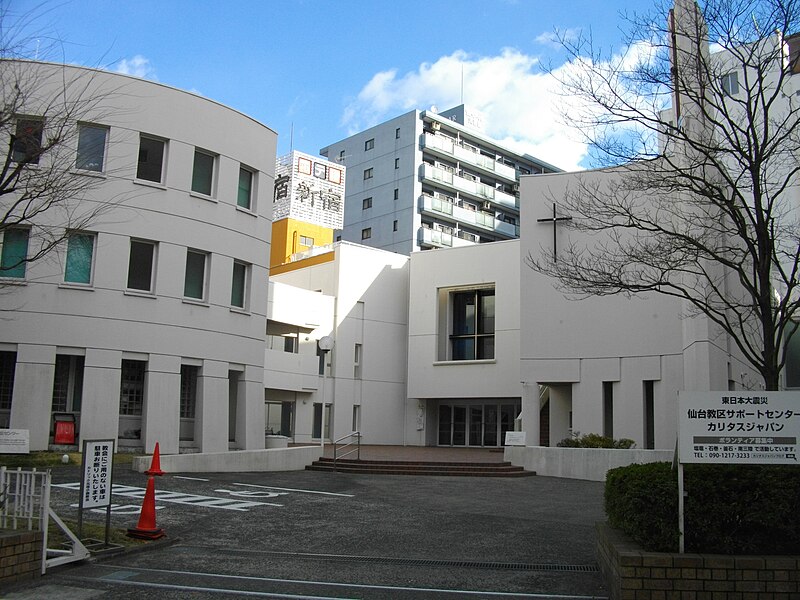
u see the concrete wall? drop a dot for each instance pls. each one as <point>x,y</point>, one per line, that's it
<point>104,321</point>
<point>273,459</point>
<point>590,464</point>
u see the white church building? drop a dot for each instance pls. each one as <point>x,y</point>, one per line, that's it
<point>160,321</point>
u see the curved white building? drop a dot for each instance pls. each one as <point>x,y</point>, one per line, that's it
<point>147,324</point>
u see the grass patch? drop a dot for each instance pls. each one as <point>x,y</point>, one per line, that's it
<point>47,460</point>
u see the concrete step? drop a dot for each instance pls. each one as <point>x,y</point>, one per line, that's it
<point>390,467</point>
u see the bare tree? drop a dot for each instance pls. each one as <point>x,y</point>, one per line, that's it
<point>703,205</point>
<point>47,166</point>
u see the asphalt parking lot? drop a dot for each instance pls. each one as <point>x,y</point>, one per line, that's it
<point>332,535</point>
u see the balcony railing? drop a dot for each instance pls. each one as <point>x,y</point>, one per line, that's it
<point>476,189</point>
<point>477,218</point>
<point>453,148</point>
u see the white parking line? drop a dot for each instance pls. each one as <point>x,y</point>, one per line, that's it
<point>178,497</point>
<point>190,478</point>
<point>271,487</point>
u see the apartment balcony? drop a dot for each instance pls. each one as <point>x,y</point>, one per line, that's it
<point>465,184</point>
<point>445,146</point>
<point>290,371</point>
<point>484,220</point>
<point>441,239</point>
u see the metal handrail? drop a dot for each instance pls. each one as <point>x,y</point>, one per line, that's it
<point>357,449</point>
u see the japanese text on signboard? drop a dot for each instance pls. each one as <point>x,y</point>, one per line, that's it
<point>728,427</point>
<point>97,473</point>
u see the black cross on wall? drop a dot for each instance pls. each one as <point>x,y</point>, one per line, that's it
<point>554,220</point>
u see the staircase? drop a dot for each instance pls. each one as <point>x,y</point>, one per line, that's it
<point>405,467</point>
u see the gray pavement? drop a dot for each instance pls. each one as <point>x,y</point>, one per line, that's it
<point>333,535</point>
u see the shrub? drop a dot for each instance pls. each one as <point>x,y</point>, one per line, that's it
<point>594,440</point>
<point>729,509</point>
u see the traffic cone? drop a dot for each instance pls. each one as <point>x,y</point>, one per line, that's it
<point>146,528</point>
<point>155,464</point>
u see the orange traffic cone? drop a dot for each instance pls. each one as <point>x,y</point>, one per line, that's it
<point>146,529</point>
<point>155,464</point>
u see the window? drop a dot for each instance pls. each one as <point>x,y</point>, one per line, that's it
<point>68,383</point>
<point>14,254</point>
<point>91,148</point>
<point>396,193</point>
<point>194,283</point>
<point>394,225</point>
<point>151,159</point>
<point>140,265</point>
<point>366,233</point>
<point>397,133</point>
<point>338,238</point>
<point>80,250</point>
<point>369,144</point>
<point>306,241</point>
<point>317,425</point>
<point>188,400</point>
<point>366,203</point>
<point>368,173</point>
<point>792,352</point>
<point>239,284</point>
<point>472,336</point>
<point>649,416</point>
<point>8,365</point>
<point>341,155</point>
<point>608,409</point>
<point>131,395</point>
<point>730,83</point>
<point>244,195</point>
<point>357,362</point>
<point>26,144</point>
<point>203,172</point>
<point>396,163</point>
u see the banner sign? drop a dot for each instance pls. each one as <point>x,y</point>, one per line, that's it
<point>15,441</point>
<point>96,486</point>
<point>739,427</point>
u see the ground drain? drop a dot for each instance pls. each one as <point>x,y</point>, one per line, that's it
<point>415,562</point>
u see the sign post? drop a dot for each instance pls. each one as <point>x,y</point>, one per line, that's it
<point>736,427</point>
<point>96,471</point>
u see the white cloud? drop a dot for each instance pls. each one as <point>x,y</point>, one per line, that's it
<point>520,102</point>
<point>524,107</point>
<point>138,66</point>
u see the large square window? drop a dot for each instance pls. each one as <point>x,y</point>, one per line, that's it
<point>131,393</point>
<point>80,252</point>
<point>26,146</point>
<point>91,148</point>
<point>151,159</point>
<point>14,253</point>
<point>203,172</point>
<point>141,265</point>
<point>244,197</point>
<point>472,324</point>
<point>194,284</point>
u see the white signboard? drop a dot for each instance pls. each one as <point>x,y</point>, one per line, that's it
<point>97,459</point>
<point>15,441</point>
<point>739,427</point>
<point>515,438</point>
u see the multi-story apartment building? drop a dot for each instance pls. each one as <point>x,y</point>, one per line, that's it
<point>430,180</point>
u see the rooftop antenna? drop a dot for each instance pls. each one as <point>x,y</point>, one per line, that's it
<point>462,83</point>
<point>291,137</point>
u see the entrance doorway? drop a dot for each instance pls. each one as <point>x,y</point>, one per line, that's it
<point>476,424</point>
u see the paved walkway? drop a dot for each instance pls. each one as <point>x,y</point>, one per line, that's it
<point>425,454</point>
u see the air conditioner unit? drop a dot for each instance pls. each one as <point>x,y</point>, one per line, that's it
<point>487,205</point>
<point>515,187</point>
<point>435,126</point>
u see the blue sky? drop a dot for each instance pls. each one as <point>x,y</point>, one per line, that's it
<point>328,69</point>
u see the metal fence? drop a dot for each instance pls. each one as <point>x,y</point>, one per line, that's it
<point>24,499</point>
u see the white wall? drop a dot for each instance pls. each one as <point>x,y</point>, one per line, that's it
<point>105,322</point>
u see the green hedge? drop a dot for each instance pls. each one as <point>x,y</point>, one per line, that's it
<point>729,509</point>
<point>594,440</point>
